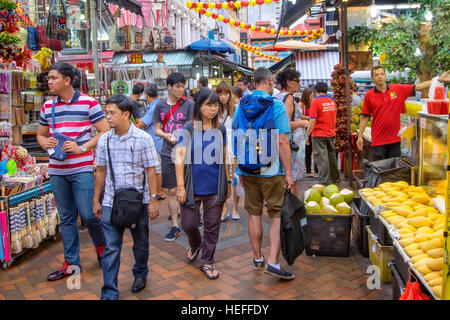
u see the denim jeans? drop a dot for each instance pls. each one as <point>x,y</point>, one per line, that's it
<point>111,256</point>
<point>74,194</point>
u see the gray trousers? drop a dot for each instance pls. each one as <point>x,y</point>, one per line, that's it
<point>325,158</point>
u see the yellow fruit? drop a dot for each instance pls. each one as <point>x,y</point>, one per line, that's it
<point>370,199</point>
<point>421,213</point>
<point>433,216</point>
<point>421,262</point>
<point>404,230</point>
<point>402,210</point>
<point>418,258</point>
<point>437,234</point>
<point>438,227</point>
<point>432,244</point>
<point>414,253</point>
<point>410,203</point>
<point>439,220</point>
<point>418,222</point>
<point>406,242</point>
<point>435,264</point>
<point>407,235</point>
<point>379,194</point>
<point>423,269</point>
<point>385,184</point>
<point>376,189</point>
<point>388,214</point>
<point>405,224</point>
<point>396,220</point>
<point>391,204</point>
<point>401,184</point>
<point>367,194</point>
<point>421,237</point>
<point>424,230</point>
<point>438,291</point>
<point>424,199</point>
<point>435,282</point>
<point>431,276</point>
<point>413,246</point>
<point>436,253</point>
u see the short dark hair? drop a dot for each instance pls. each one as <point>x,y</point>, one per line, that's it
<point>237,91</point>
<point>175,78</point>
<point>151,89</point>
<point>203,81</point>
<point>66,69</point>
<point>284,76</point>
<point>375,68</point>
<point>122,102</point>
<point>243,79</point>
<point>138,88</point>
<point>321,87</point>
<point>205,94</point>
<point>262,74</point>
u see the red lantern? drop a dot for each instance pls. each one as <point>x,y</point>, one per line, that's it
<point>244,3</point>
<point>203,11</point>
<point>219,5</point>
<point>237,23</point>
<point>231,4</point>
<point>226,20</point>
<point>267,30</point>
<point>215,16</point>
<point>258,28</point>
<point>205,5</point>
<point>194,5</point>
<point>260,2</point>
<point>248,26</point>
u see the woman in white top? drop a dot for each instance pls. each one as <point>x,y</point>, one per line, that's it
<point>226,112</point>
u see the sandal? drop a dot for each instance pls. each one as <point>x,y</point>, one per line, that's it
<point>194,254</point>
<point>158,197</point>
<point>205,269</point>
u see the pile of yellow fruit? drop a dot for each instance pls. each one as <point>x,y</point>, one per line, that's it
<point>420,226</point>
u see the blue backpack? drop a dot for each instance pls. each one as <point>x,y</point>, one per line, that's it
<point>253,129</point>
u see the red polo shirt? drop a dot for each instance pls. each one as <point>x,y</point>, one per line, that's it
<point>324,110</point>
<point>386,108</point>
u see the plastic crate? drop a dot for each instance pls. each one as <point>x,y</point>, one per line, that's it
<point>379,229</point>
<point>380,256</point>
<point>328,235</point>
<point>359,232</point>
<point>398,285</point>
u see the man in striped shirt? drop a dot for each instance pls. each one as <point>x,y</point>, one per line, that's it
<point>72,179</point>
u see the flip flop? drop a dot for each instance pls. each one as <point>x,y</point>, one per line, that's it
<point>193,255</point>
<point>204,269</point>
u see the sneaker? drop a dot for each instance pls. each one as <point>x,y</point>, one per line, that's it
<point>169,217</point>
<point>282,274</point>
<point>100,250</point>
<point>64,271</point>
<point>173,234</point>
<point>259,265</point>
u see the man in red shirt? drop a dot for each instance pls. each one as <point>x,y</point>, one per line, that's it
<point>385,103</point>
<point>322,127</point>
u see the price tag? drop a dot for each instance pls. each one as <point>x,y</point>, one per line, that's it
<point>423,123</point>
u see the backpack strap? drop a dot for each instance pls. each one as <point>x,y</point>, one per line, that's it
<point>293,110</point>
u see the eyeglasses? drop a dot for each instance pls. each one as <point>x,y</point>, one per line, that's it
<point>296,80</point>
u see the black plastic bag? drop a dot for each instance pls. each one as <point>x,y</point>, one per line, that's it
<point>387,170</point>
<point>293,236</point>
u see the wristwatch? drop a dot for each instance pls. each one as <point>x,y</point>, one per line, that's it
<point>153,196</point>
<point>83,148</point>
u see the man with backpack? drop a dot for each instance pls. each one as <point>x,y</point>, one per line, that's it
<point>260,125</point>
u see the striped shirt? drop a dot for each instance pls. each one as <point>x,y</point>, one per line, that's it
<point>71,119</point>
<point>130,154</point>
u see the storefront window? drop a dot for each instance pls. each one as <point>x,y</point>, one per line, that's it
<point>77,12</point>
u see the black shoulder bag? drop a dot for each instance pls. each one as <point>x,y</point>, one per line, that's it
<point>293,145</point>
<point>127,204</point>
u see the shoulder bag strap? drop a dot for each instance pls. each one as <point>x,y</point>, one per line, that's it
<point>172,111</point>
<point>53,115</point>
<point>293,103</point>
<point>110,163</point>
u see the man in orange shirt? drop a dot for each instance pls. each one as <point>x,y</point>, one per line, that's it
<point>322,127</point>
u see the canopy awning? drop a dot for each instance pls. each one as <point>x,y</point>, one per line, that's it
<point>290,59</point>
<point>87,58</point>
<point>133,6</point>
<point>210,45</point>
<point>315,66</point>
<point>293,45</point>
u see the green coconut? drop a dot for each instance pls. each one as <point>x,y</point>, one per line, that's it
<point>354,127</point>
<point>328,210</point>
<point>355,119</point>
<point>312,195</point>
<point>356,111</point>
<point>343,208</point>
<point>319,187</point>
<point>324,202</point>
<point>335,199</point>
<point>348,195</point>
<point>312,207</point>
<point>328,191</point>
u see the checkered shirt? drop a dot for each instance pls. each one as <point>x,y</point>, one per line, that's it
<point>130,154</point>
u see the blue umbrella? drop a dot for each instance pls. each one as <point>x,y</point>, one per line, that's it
<point>211,46</point>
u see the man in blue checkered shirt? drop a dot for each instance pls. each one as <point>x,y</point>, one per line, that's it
<point>133,155</point>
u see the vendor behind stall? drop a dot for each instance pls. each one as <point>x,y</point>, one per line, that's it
<point>385,103</point>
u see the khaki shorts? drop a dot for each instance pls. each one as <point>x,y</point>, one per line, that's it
<point>259,189</point>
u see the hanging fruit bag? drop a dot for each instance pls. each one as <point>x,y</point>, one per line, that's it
<point>57,21</point>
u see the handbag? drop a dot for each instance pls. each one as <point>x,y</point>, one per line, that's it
<point>127,202</point>
<point>144,77</point>
<point>57,153</point>
<point>123,85</point>
<point>413,291</point>
<point>119,37</point>
<point>45,42</point>
<point>57,22</point>
<point>32,38</point>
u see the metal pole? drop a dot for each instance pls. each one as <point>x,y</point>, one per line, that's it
<point>347,90</point>
<point>94,41</point>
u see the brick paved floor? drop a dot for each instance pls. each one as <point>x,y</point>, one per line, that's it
<point>171,278</point>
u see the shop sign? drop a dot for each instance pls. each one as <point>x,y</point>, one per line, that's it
<point>135,58</point>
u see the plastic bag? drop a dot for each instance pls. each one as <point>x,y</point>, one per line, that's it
<point>292,234</point>
<point>413,291</point>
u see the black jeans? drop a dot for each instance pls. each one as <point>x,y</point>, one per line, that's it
<point>386,151</point>
<point>308,157</point>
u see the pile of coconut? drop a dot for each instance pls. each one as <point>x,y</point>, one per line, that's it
<point>322,199</point>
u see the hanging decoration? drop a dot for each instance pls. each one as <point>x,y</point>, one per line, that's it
<point>9,50</point>
<point>229,4</point>
<point>256,51</point>
<point>283,32</point>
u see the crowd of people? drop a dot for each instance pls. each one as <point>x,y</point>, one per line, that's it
<point>187,150</point>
